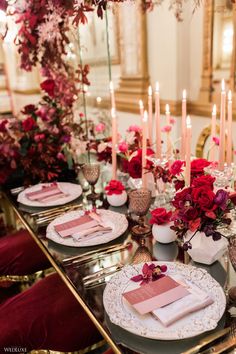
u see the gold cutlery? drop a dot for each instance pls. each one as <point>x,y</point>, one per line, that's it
<point>44,213</point>
<point>207,340</point>
<point>95,254</point>
<point>101,274</point>
<point>226,344</point>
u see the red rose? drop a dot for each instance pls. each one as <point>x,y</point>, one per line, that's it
<point>29,109</point>
<point>198,165</point>
<point>135,164</point>
<point>114,187</point>
<point>28,124</point>
<point>49,87</point>
<point>3,124</point>
<point>204,197</point>
<point>179,184</point>
<point>160,216</point>
<point>181,197</point>
<point>176,167</point>
<point>202,181</point>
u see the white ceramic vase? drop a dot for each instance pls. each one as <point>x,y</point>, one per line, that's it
<point>204,249</point>
<point>163,233</point>
<point>117,200</point>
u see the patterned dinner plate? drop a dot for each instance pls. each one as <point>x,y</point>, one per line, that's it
<point>123,315</point>
<point>72,191</point>
<point>116,221</point>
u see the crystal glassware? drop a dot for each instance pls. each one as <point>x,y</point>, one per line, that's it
<point>91,173</point>
<point>139,204</point>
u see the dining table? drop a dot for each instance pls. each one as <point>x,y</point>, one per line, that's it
<point>86,270</point>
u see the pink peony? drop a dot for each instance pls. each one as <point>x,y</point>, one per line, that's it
<point>134,128</point>
<point>100,127</point>
<point>166,129</point>
<point>216,140</point>
<point>123,146</point>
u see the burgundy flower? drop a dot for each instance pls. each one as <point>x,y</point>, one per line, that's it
<point>198,165</point>
<point>160,216</point>
<point>135,164</point>
<point>114,187</point>
<point>150,273</point>
<point>179,184</point>
<point>29,109</point>
<point>176,167</point>
<point>204,197</point>
<point>3,124</point>
<point>182,197</point>
<point>49,87</point>
<point>28,124</point>
<point>221,198</point>
<point>205,180</point>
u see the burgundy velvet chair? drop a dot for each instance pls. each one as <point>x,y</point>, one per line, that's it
<point>46,316</point>
<point>20,257</point>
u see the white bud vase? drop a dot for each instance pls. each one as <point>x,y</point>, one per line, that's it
<point>204,249</point>
<point>117,200</point>
<point>163,233</point>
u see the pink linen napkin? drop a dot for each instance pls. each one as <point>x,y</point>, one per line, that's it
<point>74,226</point>
<point>46,193</point>
<point>194,301</point>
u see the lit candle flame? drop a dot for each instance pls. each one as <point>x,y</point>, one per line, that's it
<point>188,122</point>
<point>184,94</point>
<point>214,109</point>
<point>145,116</point>
<point>99,99</point>
<point>229,95</point>
<point>111,86</point>
<point>157,86</point>
<point>113,113</point>
<point>150,91</point>
<point>167,109</point>
<point>223,85</point>
<point>141,104</point>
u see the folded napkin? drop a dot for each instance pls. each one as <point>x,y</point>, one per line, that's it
<point>46,193</point>
<point>194,301</point>
<point>83,226</point>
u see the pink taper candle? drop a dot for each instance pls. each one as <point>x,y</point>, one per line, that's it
<point>188,151</point>
<point>168,140</point>
<point>141,109</point>
<point>183,125</point>
<point>144,150</point>
<point>112,93</point>
<point>229,130</point>
<point>158,122</point>
<point>212,154</point>
<point>114,142</point>
<point>222,127</point>
<point>150,132</point>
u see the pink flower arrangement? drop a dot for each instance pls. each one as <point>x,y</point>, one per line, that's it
<point>114,187</point>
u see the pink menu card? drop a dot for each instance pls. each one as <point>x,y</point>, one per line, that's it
<point>155,294</point>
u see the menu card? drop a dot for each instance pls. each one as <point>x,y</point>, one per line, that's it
<point>155,294</point>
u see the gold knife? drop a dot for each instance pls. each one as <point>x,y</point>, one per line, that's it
<point>207,340</point>
<point>222,347</point>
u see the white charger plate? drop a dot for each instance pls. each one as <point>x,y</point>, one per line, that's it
<point>125,316</point>
<point>72,190</point>
<point>116,221</point>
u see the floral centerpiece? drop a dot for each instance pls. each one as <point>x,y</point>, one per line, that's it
<point>201,214</point>
<point>161,219</point>
<point>116,194</point>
